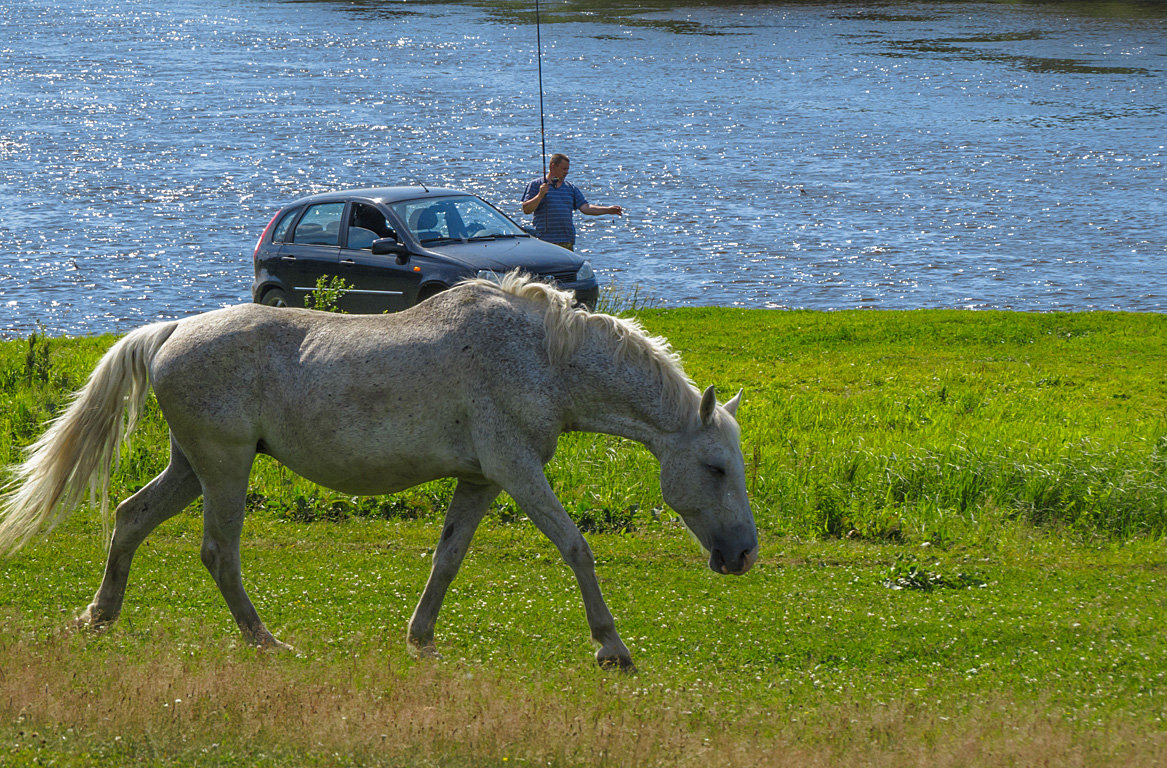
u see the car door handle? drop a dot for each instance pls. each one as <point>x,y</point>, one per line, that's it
<point>287,258</point>
<point>347,261</point>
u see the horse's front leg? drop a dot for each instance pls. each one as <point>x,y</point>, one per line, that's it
<point>469,504</point>
<point>537,499</point>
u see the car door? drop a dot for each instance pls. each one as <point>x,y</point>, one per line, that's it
<point>379,283</point>
<point>312,250</point>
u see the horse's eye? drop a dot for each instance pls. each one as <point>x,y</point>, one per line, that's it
<point>715,470</point>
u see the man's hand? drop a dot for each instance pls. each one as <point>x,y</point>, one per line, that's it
<point>600,210</point>
<point>531,204</point>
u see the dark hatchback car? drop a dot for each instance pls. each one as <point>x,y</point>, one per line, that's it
<point>400,245</point>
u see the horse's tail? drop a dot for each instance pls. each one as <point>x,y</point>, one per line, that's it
<point>77,451</point>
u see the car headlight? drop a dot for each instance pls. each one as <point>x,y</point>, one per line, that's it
<point>585,272</point>
<point>487,274</point>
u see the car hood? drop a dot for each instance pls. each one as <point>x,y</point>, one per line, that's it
<point>527,253</point>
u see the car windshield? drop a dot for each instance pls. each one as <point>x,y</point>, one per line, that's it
<point>454,218</point>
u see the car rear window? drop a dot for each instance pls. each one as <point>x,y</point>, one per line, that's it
<point>281,231</point>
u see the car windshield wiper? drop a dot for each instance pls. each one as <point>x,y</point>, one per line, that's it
<point>497,236</point>
<point>430,240</point>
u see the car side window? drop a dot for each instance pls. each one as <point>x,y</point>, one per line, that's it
<point>366,224</point>
<point>320,225</point>
<point>280,234</point>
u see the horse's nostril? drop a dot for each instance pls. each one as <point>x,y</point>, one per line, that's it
<point>719,563</point>
<point>716,561</point>
<point>749,557</point>
<point>736,564</point>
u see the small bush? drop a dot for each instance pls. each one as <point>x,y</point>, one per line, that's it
<point>605,519</point>
<point>906,573</point>
<point>327,295</point>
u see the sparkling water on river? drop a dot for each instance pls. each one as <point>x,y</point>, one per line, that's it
<point>812,155</point>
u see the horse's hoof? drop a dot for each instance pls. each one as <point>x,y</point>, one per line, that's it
<point>275,646</point>
<point>86,622</point>
<point>264,640</point>
<point>423,650</point>
<point>622,663</point>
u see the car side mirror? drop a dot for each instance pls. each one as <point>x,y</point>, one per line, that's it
<point>387,246</point>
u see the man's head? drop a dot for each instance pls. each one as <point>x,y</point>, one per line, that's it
<point>560,163</point>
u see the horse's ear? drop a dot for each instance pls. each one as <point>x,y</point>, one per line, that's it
<point>732,405</point>
<point>708,403</point>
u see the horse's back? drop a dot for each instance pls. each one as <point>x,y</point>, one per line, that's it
<point>248,342</point>
<point>367,403</point>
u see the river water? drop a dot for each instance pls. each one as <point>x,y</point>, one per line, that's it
<point>810,155</point>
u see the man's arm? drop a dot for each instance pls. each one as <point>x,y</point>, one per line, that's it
<point>531,203</point>
<point>600,210</point>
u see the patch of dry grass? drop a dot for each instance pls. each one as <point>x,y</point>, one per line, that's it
<point>74,697</point>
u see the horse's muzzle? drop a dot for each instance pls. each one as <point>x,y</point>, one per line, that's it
<point>736,564</point>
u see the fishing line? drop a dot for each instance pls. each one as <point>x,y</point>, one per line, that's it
<point>539,58</point>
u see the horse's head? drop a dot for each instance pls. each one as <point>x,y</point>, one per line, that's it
<point>703,478</point>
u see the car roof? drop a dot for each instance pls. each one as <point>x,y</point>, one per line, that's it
<point>378,195</point>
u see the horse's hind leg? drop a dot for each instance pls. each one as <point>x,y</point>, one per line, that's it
<point>165,496</point>
<point>224,505</point>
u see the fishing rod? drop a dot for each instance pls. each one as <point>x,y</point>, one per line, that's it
<point>539,58</point>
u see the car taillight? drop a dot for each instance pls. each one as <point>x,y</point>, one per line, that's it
<point>263,237</point>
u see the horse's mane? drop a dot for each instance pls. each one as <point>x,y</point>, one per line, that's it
<point>567,326</point>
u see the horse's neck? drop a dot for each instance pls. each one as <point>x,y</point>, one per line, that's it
<point>619,397</point>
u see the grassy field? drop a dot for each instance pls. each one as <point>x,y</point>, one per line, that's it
<point>963,563</point>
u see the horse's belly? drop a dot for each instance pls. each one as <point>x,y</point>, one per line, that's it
<point>367,474</point>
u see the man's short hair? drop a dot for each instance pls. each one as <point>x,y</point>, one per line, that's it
<point>559,158</point>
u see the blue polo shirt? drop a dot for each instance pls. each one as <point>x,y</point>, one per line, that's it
<point>553,218</point>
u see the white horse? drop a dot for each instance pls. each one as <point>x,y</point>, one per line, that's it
<point>476,384</point>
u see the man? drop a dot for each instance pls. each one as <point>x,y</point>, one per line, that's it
<point>553,200</point>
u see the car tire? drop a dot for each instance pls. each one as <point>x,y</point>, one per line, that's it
<point>274,297</point>
<point>429,291</point>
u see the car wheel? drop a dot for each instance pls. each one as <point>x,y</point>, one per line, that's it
<point>429,291</point>
<point>274,297</point>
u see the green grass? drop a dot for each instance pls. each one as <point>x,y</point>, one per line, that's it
<point>943,425</point>
<point>962,519</point>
